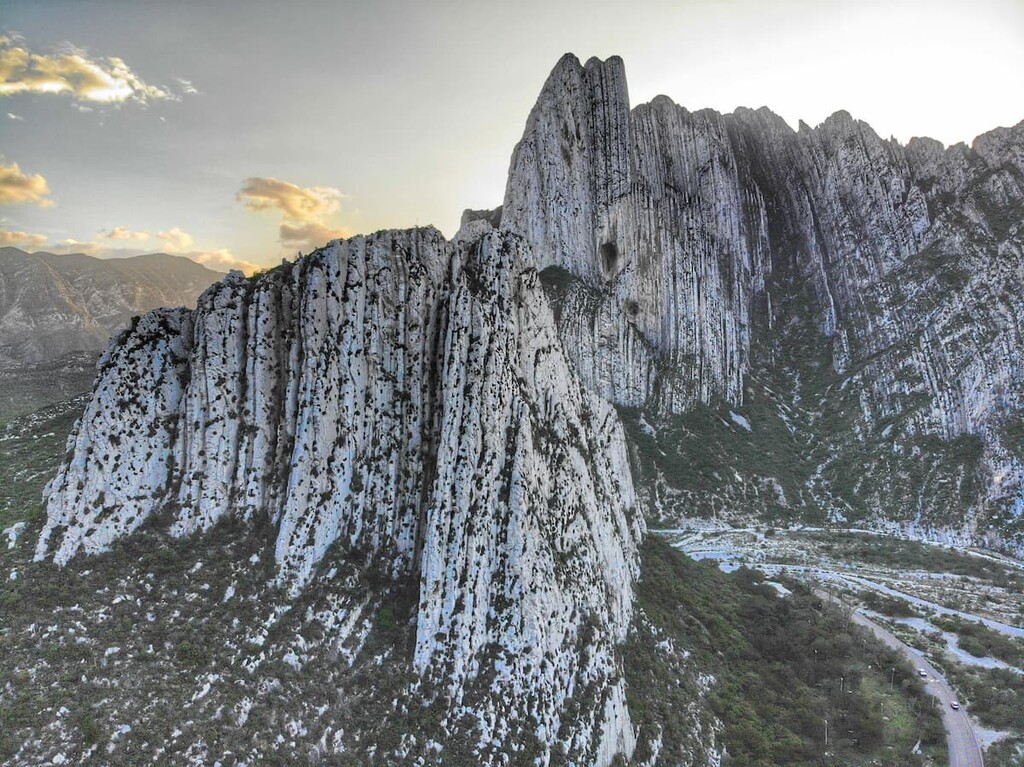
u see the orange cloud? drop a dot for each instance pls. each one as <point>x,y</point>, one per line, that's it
<point>17,188</point>
<point>176,240</point>
<point>21,239</point>
<point>302,208</point>
<point>222,260</point>
<point>78,246</point>
<point>105,80</point>
<point>309,236</point>
<point>295,203</point>
<point>124,233</point>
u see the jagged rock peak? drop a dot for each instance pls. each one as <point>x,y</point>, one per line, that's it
<point>688,242</point>
<point>574,156</point>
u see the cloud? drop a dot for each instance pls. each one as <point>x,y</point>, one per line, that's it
<point>295,202</point>
<point>221,260</point>
<point>72,71</point>
<point>21,239</point>
<point>309,236</point>
<point>303,210</point>
<point>124,233</point>
<point>179,243</point>
<point>78,246</point>
<point>176,240</point>
<point>17,188</point>
<point>173,240</point>
<point>186,86</point>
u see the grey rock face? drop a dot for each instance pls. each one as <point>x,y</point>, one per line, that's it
<point>650,209</point>
<point>51,305</point>
<point>701,242</point>
<point>407,398</point>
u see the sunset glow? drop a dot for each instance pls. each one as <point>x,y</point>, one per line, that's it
<point>269,135</point>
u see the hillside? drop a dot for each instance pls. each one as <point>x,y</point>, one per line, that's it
<point>54,304</point>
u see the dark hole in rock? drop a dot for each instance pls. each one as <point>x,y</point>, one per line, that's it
<point>632,308</point>
<point>609,257</point>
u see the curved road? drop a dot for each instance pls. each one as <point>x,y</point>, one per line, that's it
<point>964,749</point>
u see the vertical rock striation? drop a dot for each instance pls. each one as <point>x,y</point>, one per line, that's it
<point>443,410</point>
<point>651,210</point>
<point>697,243</point>
<point>529,551</point>
<point>406,398</point>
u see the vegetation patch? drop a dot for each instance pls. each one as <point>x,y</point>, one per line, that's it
<point>913,555</point>
<point>886,605</point>
<point>994,695</point>
<point>31,449</point>
<point>981,641</point>
<point>782,667</point>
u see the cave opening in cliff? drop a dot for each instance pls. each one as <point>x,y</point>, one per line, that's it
<point>609,257</point>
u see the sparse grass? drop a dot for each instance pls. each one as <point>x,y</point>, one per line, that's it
<point>981,641</point>
<point>31,448</point>
<point>29,387</point>
<point>914,555</point>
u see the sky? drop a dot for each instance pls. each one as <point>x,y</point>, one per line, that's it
<point>242,133</point>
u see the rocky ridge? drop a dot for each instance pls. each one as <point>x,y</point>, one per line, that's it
<point>440,409</point>
<point>875,282</point>
<point>51,304</point>
<point>406,398</point>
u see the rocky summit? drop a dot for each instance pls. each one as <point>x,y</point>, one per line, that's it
<point>674,314</point>
<point>859,295</point>
<point>407,398</point>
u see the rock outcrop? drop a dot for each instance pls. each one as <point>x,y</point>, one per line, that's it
<point>406,398</point>
<point>699,247</point>
<point>652,211</point>
<point>443,411</point>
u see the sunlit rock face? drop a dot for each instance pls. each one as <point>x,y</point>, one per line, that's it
<point>698,240</point>
<point>407,398</point>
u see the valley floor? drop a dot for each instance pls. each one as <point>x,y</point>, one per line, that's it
<point>959,608</point>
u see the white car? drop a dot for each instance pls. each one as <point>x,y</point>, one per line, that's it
<point>955,705</point>
<point>922,673</point>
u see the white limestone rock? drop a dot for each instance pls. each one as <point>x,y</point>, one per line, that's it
<point>121,463</point>
<point>409,399</point>
<point>696,241</point>
<point>530,545</point>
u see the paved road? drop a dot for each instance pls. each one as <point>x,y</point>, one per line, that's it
<point>964,749</point>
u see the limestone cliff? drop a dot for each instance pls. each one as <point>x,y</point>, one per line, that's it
<point>405,398</point>
<point>813,325</point>
<point>696,249</point>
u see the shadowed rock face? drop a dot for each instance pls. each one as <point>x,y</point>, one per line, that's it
<point>407,398</point>
<point>704,244</point>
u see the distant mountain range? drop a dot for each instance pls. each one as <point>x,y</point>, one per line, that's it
<point>54,304</point>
